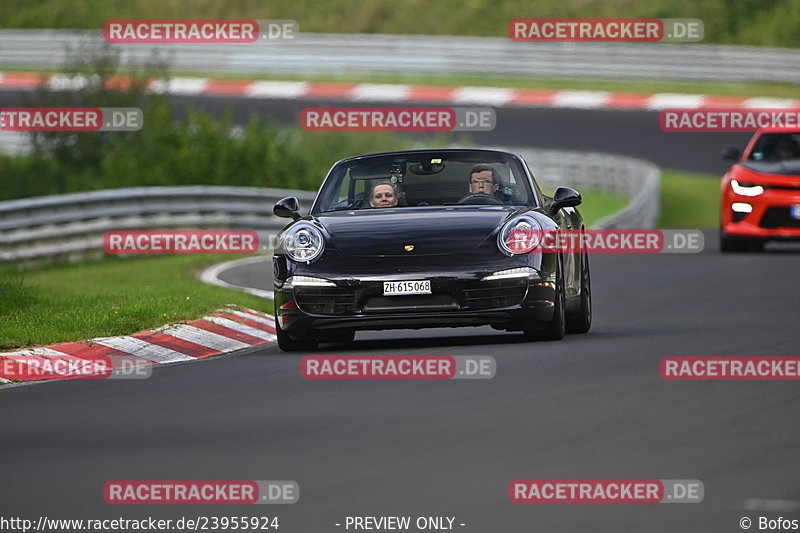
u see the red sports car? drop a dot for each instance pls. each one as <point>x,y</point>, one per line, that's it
<point>761,191</point>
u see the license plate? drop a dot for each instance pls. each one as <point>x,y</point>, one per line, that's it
<point>796,211</point>
<point>397,288</point>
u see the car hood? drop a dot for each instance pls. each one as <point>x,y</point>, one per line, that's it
<point>781,174</point>
<point>786,167</point>
<point>430,231</point>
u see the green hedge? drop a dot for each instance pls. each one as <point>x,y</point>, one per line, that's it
<point>754,22</point>
<point>176,146</point>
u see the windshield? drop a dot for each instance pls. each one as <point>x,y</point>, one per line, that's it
<point>776,147</point>
<point>425,179</point>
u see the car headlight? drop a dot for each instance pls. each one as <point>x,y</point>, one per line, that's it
<point>745,189</point>
<point>306,281</point>
<point>303,243</point>
<point>511,273</point>
<point>520,235</point>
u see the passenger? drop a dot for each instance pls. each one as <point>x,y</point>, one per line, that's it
<point>786,148</point>
<point>384,194</point>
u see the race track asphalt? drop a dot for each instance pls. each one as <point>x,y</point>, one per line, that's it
<point>590,406</point>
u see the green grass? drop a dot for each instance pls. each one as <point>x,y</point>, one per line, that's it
<point>598,204</point>
<point>114,296</point>
<point>756,22</point>
<point>689,200</point>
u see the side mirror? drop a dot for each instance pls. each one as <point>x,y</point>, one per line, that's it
<point>565,197</point>
<point>287,208</point>
<point>732,153</point>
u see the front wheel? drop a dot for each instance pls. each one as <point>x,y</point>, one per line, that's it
<point>554,329</point>
<point>728,244</point>
<point>290,343</point>
<point>582,322</point>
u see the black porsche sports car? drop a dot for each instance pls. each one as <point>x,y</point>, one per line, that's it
<point>428,238</point>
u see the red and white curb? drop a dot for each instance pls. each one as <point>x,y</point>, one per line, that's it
<point>376,92</point>
<point>225,330</point>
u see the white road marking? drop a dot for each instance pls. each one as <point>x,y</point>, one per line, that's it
<point>62,82</point>
<point>179,86</point>
<point>493,96</point>
<point>675,101</point>
<point>581,99</point>
<point>277,89</point>
<point>770,103</point>
<point>380,92</point>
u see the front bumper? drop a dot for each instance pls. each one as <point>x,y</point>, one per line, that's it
<point>454,301</point>
<point>771,216</point>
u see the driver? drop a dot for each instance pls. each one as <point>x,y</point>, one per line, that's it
<point>483,180</point>
<point>484,187</point>
<point>786,148</point>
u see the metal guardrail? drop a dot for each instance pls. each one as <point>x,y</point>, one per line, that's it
<point>637,179</point>
<point>72,225</point>
<point>311,53</point>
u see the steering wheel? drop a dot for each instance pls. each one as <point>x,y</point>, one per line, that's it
<point>480,198</point>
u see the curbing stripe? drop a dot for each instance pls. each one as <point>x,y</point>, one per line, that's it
<point>277,89</point>
<point>248,340</point>
<point>226,330</point>
<point>229,87</point>
<point>174,343</point>
<point>145,350</point>
<point>189,332</point>
<point>581,99</point>
<point>372,92</point>
<point>268,328</point>
<point>255,318</point>
<point>675,101</point>
<point>254,312</point>
<point>85,351</point>
<point>482,96</point>
<point>770,103</point>
<point>377,92</point>
<point>187,86</point>
<point>240,327</point>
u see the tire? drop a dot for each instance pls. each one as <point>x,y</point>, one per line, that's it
<point>554,329</point>
<point>344,336</point>
<point>583,322</point>
<point>728,244</point>
<point>288,343</point>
